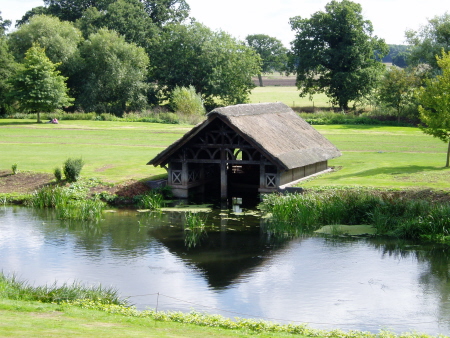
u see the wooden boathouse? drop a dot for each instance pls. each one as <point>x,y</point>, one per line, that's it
<point>254,147</point>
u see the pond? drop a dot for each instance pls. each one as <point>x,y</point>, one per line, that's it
<point>236,269</point>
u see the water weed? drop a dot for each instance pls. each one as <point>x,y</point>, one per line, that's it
<point>152,200</point>
<point>390,215</point>
<point>194,228</point>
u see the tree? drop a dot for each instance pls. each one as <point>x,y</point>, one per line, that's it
<point>38,86</point>
<point>272,52</point>
<point>40,10</point>
<point>397,87</point>
<point>217,65</point>
<point>113,73</point>
<point>429,40</point>
<point>60,40</point>
<point>336,53</point>
<point>71,10</point>
<point>4,25</point>
<point>163,12</point>
<point>435,103</point>
<point>126,17</point>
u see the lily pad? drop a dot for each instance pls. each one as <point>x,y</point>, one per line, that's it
<point>351,230</point>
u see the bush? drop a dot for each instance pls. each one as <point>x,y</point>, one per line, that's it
<point>14,169</point>
<point>186,101</point>
<point>58,174</point>
<point>72,169</point>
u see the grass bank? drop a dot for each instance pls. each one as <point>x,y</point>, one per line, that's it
<point>57,312</point>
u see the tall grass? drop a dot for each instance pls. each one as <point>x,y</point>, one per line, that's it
<point>293,214</point>
<point>12,288</point>
<point>153,200</point>
<point>194,228</point>
<point>68,202</point>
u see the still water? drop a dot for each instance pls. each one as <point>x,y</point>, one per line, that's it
<point>236,270</point>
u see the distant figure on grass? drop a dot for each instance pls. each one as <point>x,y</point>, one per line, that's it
<point>54,121</point>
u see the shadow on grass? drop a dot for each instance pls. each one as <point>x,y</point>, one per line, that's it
<point>412,169</point>
<point>372,126</point>
<point>21,123</point>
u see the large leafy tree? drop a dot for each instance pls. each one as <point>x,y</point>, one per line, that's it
<point>335,53</point>
<point>126,17</point>
<point>60,40</point>
<point>397,88</point>
<point>435,103</point>
<point>113,73</point>
<point>71,10</point>
<point>217,65</point>
<point>7,65</point>
<point>271,51</point>
<point>429,40</point>
<point>38,86</point>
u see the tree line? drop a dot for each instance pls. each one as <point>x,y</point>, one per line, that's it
<point>116,56</point>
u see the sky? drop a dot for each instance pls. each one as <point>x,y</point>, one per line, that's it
<point>390,18</point>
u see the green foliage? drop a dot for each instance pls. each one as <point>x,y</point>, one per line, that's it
<point>215,64</point>
<point>397,88</point>
<point>153,200</point>
<point>114,74</point>
<point>8,68</point>
<point>58,174</point>
<point>334,52</point>
<point>397,55</point>
<point>429,41</point>
<point>72,169</point>
<point>435,103</point>
<point>186,101</point>
<point>272,52</point>
<point>38,86</point>
<point>194,228</point>
<point>14,169</point>
<point>60,40</point>
<point>293,214</point>
<point>12,288</point>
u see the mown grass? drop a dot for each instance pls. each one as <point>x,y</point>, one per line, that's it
<point>289,96</point>
<point>79,311</point>
<point>384,157</point>
<point>114,151</point>
<point>376,156</point>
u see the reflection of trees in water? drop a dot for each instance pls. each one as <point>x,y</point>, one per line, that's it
<point>234,246</point>
<point>435,258</point>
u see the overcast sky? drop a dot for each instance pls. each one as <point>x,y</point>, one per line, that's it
<point>390,18</point>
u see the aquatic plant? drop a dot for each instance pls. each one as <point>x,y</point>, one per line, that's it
<point>12,288</point>
<point>152,200</point>
<point>69,202</point>
<point>293,214</point>
<point>194,228</point>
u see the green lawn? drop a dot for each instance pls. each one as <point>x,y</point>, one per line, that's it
<point>289,96</point>
<point>388,157</point>
<point>114,151</point>
<point>33,319</point>
<point>397,157</point>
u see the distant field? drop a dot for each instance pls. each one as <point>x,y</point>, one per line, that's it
<point>397,157</point>
<point>289,96</point>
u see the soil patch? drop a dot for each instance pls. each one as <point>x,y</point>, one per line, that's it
<point>28,182</point>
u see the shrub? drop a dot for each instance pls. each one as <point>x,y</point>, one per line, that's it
<point>58,174</point>
<point>72,169</point>
<point>14,169</point>
<point>186,101</point>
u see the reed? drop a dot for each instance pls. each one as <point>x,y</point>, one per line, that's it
<point>12,288</point>
<point>294,214</point>
<point>69,203</point>
<point>194,228</point>
<point>152,200</point>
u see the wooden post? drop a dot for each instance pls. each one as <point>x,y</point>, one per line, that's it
<point>262,175</point>
<point>184,174</point>
<point>223,175</point>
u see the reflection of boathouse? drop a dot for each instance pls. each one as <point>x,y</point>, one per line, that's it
<point>257,147</point>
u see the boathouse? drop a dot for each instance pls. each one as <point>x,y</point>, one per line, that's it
<point>252,147</point>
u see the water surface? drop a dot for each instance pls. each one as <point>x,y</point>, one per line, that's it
<point>237,270</point>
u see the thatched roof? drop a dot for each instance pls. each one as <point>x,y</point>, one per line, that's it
<point>272,128</point>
